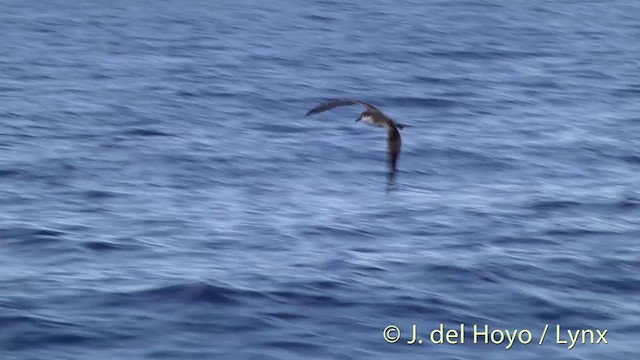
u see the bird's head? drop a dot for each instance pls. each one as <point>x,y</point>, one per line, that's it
<point>365,115</point>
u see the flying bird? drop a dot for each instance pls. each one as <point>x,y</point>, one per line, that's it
<point>374,117</point>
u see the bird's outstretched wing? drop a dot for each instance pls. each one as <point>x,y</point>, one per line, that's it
<point>394,142</point>
<point>328,105</point>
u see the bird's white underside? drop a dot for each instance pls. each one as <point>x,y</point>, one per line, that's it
<point>369,120</point>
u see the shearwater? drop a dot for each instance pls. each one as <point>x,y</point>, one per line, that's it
<point>374,117</point>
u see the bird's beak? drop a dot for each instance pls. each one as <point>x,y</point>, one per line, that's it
<point>359,118</point>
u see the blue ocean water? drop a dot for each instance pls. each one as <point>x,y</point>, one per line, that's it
<point>162,195</point>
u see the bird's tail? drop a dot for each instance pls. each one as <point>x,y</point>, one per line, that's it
<point>398,125</point>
